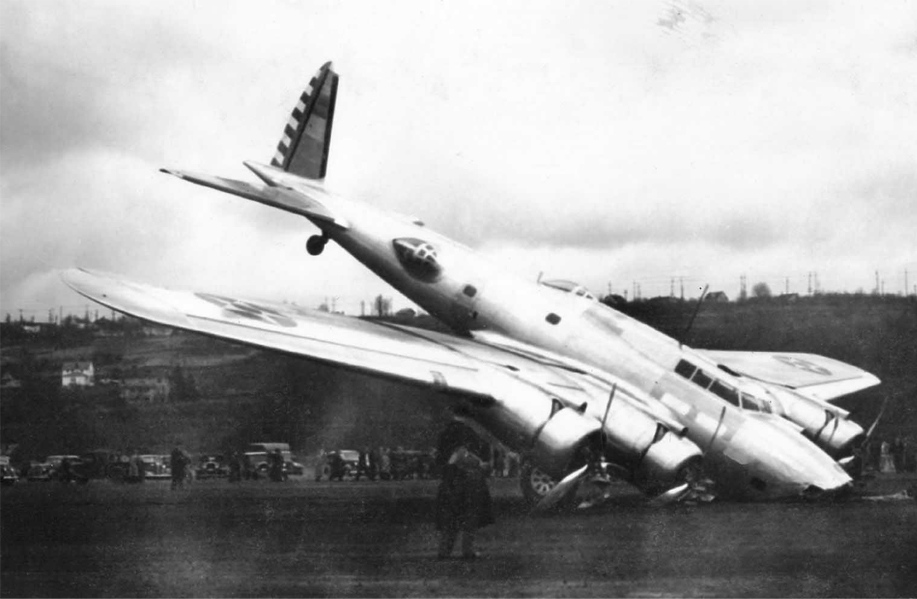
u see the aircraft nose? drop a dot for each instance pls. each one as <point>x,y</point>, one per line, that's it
<point>792,466</point>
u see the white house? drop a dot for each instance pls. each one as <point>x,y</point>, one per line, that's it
<point>78,374</point>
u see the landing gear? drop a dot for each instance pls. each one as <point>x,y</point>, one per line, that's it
<point>316,244</point>
<point>535,483</point>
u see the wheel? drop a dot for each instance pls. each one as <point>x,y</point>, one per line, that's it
<point>316,244</point>
<point>535,484</point>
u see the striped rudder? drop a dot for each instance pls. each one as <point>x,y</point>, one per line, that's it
<point>303,149</point>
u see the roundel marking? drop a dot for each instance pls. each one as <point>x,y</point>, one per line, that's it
<point>803,364</point>
<point>233,307</point>
<point>418,258</point>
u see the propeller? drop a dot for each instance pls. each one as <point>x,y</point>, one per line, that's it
<point>595,465</point>
<point>872,428</point>
<point>672,495</point>
<point>853,462</point>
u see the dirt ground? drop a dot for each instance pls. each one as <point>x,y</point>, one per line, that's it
<point>305,538</point>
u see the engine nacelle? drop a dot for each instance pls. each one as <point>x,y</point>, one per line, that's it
<point>829,429</point>
<point>530,420</point>
<point>657,458</point>
<point>553,433</point>
<point>557,446</point>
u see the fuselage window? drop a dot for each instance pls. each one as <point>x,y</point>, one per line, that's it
<point>726,392</point>
<point>552,318</point>
<point>685,369</point>
<point>702,379</point>
<point>470,290</point>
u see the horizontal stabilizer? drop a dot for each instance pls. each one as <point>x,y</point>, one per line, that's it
<point>276,197</point>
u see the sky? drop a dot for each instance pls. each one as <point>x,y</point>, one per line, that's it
<point>612,143</point>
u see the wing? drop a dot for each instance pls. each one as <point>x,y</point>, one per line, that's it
<point>811,375</point>
<point>341,340</point>
<point>470,369</point>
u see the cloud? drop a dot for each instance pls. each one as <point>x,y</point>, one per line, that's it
<point>775,139</point>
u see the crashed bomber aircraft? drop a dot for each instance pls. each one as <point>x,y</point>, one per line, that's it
<point>573,385</point>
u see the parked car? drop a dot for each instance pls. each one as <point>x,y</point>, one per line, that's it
<point>212,466</point>
<point>156,466</point>
<point>349,459</point>
<point>57,460</point>
<point>8,474</point>
<point>39,472</point>
<point>255,457</point>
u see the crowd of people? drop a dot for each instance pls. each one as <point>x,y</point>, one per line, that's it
<point>384,463</point>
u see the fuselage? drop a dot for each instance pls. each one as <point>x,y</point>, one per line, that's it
<point>750,453</point>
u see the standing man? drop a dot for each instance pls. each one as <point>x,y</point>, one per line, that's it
<point>463,501</point>
<point>178,462</point>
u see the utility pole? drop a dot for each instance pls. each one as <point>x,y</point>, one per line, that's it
<point>810,282</point>
<point>672,287</point>
<point>877,282</point>
<point>681,281</point>
<point>905,281</point>
<point>786,287</point>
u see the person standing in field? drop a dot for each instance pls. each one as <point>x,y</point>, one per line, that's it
<point>463,501</point>
<point>178,462</point>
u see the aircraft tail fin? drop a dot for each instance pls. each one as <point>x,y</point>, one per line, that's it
<point>303,149</point>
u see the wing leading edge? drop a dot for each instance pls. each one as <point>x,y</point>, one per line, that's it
<point>340,340</point>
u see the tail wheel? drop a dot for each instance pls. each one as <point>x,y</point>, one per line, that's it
<point>535,484</point>
<point>316,244</point>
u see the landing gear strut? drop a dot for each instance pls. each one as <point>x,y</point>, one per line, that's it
<point>316,244</point>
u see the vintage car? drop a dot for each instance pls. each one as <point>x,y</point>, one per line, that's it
<point>346,461</point>
<point>39,472</point>
<point>256,461</point>
<point>8,474</point>
<point>212,466</point>
<point>57,460</point>
<point>156,466</point>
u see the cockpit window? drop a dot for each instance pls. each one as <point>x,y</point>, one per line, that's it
<point>725,391</point>
<point>702,379</point>
<point>685,369</point>
<point>750,402</point>
<point>569,287</point>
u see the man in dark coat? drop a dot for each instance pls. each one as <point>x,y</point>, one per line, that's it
<point>463,501</point>
<point>178,462</point>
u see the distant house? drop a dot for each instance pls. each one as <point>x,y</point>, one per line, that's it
<point>154,330</point>
<point>718,297</point>
<point>78,374</point>
<point>147,389</point>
